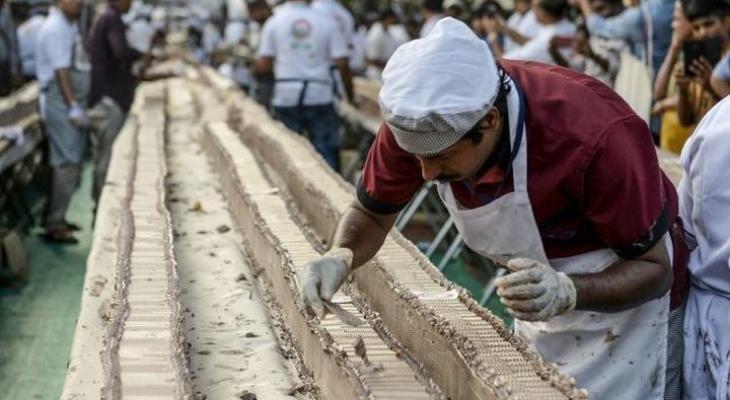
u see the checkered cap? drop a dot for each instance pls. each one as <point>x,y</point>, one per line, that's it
<point>437,88</point>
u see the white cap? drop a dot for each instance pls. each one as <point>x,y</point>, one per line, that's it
<point>437,88</point>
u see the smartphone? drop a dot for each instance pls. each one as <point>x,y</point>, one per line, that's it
<point>709,49</point>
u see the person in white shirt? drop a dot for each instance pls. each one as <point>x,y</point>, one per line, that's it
<point>521,26</point>
<point>433,11</point>
<point>262,88</point>
<point>234,31</point>
<point>140,31</point>
<point>454,8</point>
<point>551,15</point>
<point>704,205</point>
<point>62,69</point>
<point>345,23</point>
<point>342,17</point>
<point>27,33</point>
<point>358,61</point>
<point>298,44</point>
<point>383,39</point>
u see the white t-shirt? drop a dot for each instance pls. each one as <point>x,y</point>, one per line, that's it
<point>357,55</point>
<point>140,34</point>
<point>27,35</point>
<point>381,44</point>
<point>55,45</point>
<point>538,48</point>
<point>345,21</point>
<point>525,24</point>
<point>211,38</point>
<point>303,43</point>
<point>234,32</point>
<point>430,23</point>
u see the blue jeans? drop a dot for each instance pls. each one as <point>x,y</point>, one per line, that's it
<point>320,123</point>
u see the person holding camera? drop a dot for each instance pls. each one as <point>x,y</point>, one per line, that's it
<point>699,39</point>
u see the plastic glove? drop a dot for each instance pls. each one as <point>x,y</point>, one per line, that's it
<point>535,291</point>
<point>321,278</point>
<point>77,115</point>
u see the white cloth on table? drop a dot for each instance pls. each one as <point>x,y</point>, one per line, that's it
<point>13,134</point>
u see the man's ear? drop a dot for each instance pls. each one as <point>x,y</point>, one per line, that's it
<point>490,122</point>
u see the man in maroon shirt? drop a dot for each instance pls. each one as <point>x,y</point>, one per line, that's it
<point>548,173</point>
<point>112,83</point>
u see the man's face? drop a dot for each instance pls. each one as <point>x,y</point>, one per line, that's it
<point>541,15</point>
<point>708,28</point>
<point>389,21</point>
<point>259,13</point>
<point>522,6</point>
<point>464,159</point>
<point>603,8</point>
<point>71,8</point>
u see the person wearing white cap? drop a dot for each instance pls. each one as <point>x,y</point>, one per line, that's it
<point>705,206</point>
<point>548,173</point>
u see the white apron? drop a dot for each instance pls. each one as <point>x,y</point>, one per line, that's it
<point>707,344</point>
<point>613,355</point>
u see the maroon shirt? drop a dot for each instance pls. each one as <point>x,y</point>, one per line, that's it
<point>111,60</point>
<point>593,177</point>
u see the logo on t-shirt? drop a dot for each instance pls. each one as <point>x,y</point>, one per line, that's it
<point>301,29</point>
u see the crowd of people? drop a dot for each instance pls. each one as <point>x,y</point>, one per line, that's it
<point>682,44</point>
<point>87,70</point>
<point>597,237</point>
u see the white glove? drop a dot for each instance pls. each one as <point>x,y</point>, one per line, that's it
<point>321,278</point>
<point>77,115</point>
<point>535,291</point>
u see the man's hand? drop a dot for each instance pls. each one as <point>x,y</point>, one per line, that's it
<point>321,278</point>
<point>681,28</point>
<point>77,115</point>
<point>702,70</point>
<point>535,291</point>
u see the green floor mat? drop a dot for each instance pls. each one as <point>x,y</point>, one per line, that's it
<point>37,320</point>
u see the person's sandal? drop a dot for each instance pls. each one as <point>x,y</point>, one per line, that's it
<point>71,226</point>
<point>59,236</point>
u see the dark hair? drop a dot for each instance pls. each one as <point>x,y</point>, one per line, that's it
<point>695,9</point>
<point>490,8</point>
<point>556,8</point>
<point>475,134</point>
<point>433,5</point>
<point>257,3</point>
<point>387,13</point>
